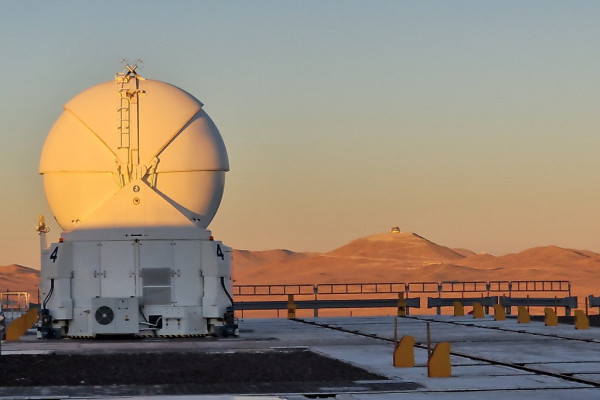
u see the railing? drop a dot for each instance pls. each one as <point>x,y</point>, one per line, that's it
<point>14,304</point>
<point>533,286</point>
<point>360,288</point>
<point>568,303</point>
<point>334,295</point>
<point>321,304</point>
<point>422,287</point>
<point>14,300</point>
<point>454,287</point>
<point>439,302</point>
<point>272,290</point>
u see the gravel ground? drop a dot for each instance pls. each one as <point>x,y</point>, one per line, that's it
<point>223,372</point>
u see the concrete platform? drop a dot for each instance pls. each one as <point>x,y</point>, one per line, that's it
<point>495,360</point>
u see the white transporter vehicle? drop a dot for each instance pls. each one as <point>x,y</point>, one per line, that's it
<point>134,172</point>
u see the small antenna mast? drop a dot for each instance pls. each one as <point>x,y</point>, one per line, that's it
<point>128,83</point>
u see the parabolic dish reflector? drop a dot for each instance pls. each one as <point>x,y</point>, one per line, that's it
<point>133,153</point>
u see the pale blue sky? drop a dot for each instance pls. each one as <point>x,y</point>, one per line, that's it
<point>474,124</point>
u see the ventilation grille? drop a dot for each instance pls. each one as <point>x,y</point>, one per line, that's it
<point>104,315</point>
<point>156,286</point>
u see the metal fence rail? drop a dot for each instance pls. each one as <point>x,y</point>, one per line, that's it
<point>464,287</point>
<point>444,287</point>
<point>14,300</point>
<point>273,290</point>
<point>439,302</point>
<point>316,305</point>
<point>569,303</point>
<point>360,288</point>
<point>540,286</point>
<point>379,294</point>
<point>422,287</point>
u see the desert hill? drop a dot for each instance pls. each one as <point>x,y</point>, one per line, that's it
<point>402,245</point>
<point>389,257</point>
<point>249,259</point>
<point>385,257</point>
<point>408,257</point>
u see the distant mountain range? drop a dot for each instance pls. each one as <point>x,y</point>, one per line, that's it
<point>389,257</point>
<point>408,257</point>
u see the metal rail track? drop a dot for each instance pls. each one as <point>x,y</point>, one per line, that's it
<point>496,328</point>
<point>517,366</point>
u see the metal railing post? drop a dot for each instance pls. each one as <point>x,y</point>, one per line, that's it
<point>316,309</point>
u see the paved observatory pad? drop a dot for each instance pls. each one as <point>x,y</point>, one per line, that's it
<point>495,360</point>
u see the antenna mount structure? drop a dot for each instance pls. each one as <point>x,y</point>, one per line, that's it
<point>128,128</point>
<point>130,71</point>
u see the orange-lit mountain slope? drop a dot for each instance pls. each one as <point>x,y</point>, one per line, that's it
<point>407,257</point>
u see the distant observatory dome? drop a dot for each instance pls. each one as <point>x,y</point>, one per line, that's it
<point>133,153</point>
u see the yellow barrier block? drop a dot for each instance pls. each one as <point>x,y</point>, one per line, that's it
<point>34,317</point>
<point>459,310</point>
<point>499,313</point>
<point>581,320</point>
<point>401,305</point>
<point>19,326</point>
<point>404,353</point>
<point>523,317</point>
<point>13,332</point>
<point>438,365</point>
<point>291,307</point>
<point>550,318</point>
<point>478,310</point>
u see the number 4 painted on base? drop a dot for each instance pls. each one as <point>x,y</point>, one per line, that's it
<point>54,254</point>
<point>220,252</point>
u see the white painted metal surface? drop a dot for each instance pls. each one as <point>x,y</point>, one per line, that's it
<point>175,166</point>
<point>134,172</point>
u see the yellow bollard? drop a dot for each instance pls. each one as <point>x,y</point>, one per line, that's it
<point>404,353</point>
<point>438,365</point>
<point>34,316</point>
<point>550,318</point>
<point>291,307</point>
<point>581,320</point>
<point>499,313</point>
<point>401,305</point>
<point>523,317</point>
<point>459,310</point>
<point>13,331</point>
<point>19,326</point>
<point>478,310</point>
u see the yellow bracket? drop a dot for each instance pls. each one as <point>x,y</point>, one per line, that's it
<point>523,317</point>
<point>438,365</point>
<point>291,307</point>
<point>401,305</point>
<point>459,310</point>
<point>550,318</point>
<point>499,313</point>
<point>581,320</point>
<point>19,326</point>
<point>404,353</point>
